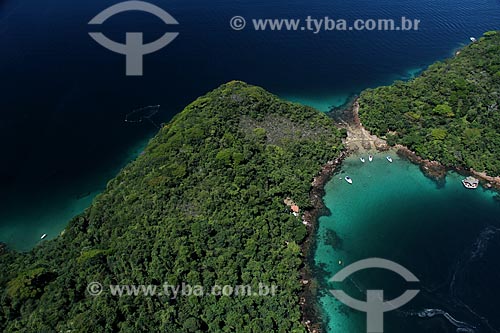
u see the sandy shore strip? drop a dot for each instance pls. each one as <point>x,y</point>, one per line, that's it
<point>359,140</point>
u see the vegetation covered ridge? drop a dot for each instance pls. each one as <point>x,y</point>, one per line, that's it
<point>450,113</point>
<point>203,205</point>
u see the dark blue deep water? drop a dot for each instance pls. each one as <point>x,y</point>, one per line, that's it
<point>63,97</point>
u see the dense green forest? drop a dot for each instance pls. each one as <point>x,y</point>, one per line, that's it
<point>450,113</point>
<point>202,205</point>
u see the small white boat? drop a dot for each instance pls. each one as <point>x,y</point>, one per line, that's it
<point>43,236</point>
<point>370,158</point>
<point>362,159</point>
<point>389,159</point>
<point>348,179</point>
<point>472,39</point>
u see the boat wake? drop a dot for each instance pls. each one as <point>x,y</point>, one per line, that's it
<point>481,245</point>
<point>458,283</point>
<point>462,327</point>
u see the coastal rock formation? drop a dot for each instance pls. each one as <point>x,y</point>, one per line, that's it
<point>358,138</point>
<point>432,169</point>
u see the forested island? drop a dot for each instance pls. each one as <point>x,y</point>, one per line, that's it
<point>203,205</point>
<point>450,113</point>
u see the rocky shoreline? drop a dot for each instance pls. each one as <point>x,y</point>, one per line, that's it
<point>358,138</point>
<point>3,248</point>
<point>311,312</point>
<point>488,181</point>
<point>438,171</point>
<point>431,169</point>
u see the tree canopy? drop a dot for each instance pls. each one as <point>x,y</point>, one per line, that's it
<point>202,205</point>
<point>450,113</point>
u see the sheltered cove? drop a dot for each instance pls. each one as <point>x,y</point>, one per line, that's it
<point>358,140</point>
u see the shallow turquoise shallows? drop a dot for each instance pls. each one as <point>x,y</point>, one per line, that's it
<point>446,235</point>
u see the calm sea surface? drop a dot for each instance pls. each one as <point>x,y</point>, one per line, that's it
<point>448,236</point>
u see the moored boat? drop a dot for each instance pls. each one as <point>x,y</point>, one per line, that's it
<point>472,39</point>
<point>362,159</point>
<point>370,158</point>
<point>470,183</point>
<point>43,236</point>
<point>348,179</point>
<point>389,159</point>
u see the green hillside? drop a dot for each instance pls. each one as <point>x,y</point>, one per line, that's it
<point>449,114</point>
<point>202,205</point>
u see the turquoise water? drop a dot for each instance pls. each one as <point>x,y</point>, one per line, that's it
<point>321,103</point>
<point>446,235</point>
